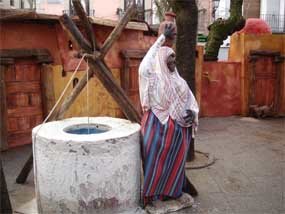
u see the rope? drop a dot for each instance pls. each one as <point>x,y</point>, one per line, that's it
<point>87,97</point>
<point>45,120</point>
<point>63,92</point>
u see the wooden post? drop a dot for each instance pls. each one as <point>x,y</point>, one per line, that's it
<point>22,177</point>
<point>74,33</point>
<point>85,22</point>
<point>5,204</point>
<point>3,110</point>
<point>191,150</point>
<point>116,91</point>
<point>47,88</point>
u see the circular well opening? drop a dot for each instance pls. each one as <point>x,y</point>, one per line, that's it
<point>85,129</point>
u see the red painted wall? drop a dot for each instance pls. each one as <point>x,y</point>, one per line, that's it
<point>67,53</point>
<point>129,39</point>
<point>30,35</point>
<point>218,98</point>
<point>53,38</point>
<point>221,91</point>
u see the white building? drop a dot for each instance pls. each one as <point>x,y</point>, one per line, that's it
<point>223,10</point>
<point>273,12</point>
<point>17,4</point>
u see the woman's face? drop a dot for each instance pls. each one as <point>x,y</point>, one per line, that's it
<point>171,64</point>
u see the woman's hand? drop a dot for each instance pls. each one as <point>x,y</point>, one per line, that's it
<point>190,116</point>
<point>145,109</point>
<point>169,31</point>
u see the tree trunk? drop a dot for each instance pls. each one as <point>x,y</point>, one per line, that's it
<point>221,29</point>
<point>187,23</point>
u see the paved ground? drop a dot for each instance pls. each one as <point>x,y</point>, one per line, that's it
<point>247,178</point>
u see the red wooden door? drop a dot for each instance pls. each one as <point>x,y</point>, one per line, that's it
<point>264,84</point>
<point>24,103</point>
<point>264,81</point>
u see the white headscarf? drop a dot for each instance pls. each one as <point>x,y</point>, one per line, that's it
<point>168,95</point>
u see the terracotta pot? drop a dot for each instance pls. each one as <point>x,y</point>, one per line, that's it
<point>169,18</point>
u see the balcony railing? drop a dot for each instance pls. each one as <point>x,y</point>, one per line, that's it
<point>276,22</point>
<point>73,13</point>
<point>148,16</point>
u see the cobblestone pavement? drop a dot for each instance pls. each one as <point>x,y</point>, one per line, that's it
<point>247,178</point>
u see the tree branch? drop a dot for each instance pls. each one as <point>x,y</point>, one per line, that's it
<point>221,29</point>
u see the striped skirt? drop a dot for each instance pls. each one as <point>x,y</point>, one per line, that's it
<point>164,154</point>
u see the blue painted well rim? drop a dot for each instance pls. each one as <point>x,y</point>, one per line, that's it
<point>87,129</point>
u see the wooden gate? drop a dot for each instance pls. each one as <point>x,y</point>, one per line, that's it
<point>24,102</point>
<point>21,94</point>
<point>264,83</point>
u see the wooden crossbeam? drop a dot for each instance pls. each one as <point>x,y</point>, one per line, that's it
<point>105,76</point>
<point>102,72</point>
<point>75,34</point>
<point>73,95</point>
<point>86,23</point>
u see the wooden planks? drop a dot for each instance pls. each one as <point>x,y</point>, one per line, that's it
<point>265,77</point>
<point>27,111</point>
<point>42,55</point>
<point>24,87</point>
<point>47,89</point>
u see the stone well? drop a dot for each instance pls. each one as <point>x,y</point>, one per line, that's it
<point>87,168</point>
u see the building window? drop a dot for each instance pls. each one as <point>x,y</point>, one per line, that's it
<point>12,3</point>
<point>139,6</point>
<point>54,1</point>
<point>139,3</point>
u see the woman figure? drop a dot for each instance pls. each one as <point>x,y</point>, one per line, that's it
<point>169,109</point>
